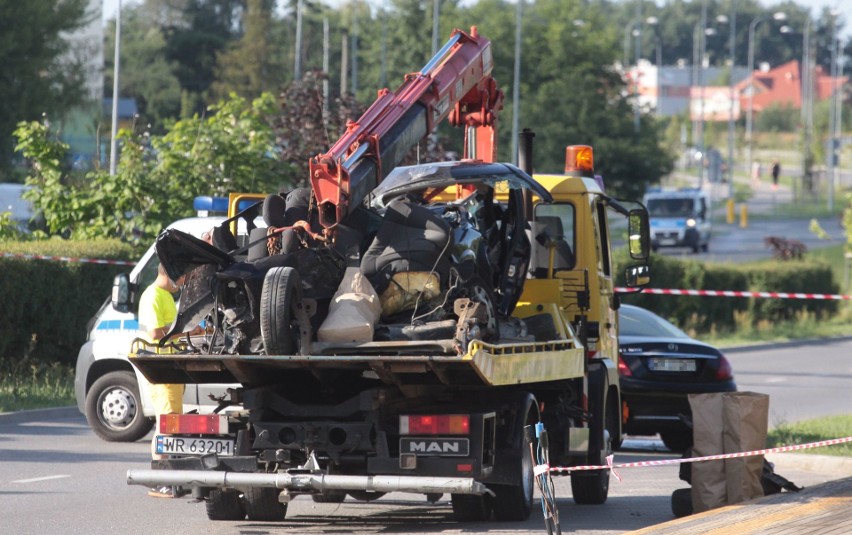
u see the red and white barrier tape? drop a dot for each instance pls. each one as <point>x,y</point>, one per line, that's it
<point>733,293</point>
<point>611,466</point>
<point>69,259</point>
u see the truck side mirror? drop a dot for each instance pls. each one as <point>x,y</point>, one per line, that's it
<point>122,293</point>
<point>639,234</point>
<point>637,276</point>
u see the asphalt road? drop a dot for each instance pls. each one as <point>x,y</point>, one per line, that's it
<point>57,477</point>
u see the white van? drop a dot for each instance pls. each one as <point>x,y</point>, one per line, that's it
<point>679,218</point>
<point>112,393</point>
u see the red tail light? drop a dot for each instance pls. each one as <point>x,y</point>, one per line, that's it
<point>725,371</point>
<point>623,368</point>
<point>434,424</point>
<point>193,424</point>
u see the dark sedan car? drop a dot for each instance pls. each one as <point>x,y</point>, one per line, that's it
<point>659,366</point>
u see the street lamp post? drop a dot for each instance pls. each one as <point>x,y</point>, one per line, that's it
<point>806,98</point>
<point>658,59</point>
<point>779,16</point>
<point>731,131</point>
<point>113,143</point>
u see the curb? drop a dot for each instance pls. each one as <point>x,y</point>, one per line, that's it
<point>36,414</point>
<point>830,465</point>
<point>783,345</point>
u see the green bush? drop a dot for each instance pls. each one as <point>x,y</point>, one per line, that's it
<point>46,304</point>
<point>706,314</point>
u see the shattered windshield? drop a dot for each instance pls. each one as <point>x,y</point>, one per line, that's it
<point>438,181</point>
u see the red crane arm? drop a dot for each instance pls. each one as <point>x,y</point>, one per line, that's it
<point>456,83</point>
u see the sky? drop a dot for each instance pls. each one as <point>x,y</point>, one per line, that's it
<point>844,6</point>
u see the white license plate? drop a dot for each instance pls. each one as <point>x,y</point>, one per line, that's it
<point>668,241</point>
<point>672,365</point>
<point>194,445</point>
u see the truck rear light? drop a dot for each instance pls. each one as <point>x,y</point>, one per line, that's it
<point>434,424</point>
<point>193,424</point>
<point>464,467</point>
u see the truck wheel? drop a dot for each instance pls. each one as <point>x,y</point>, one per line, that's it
<point>329,497</point>
<point>224,505</point>
<point>114,408</point>
<point>514,502</point>
<point>365,495</point>
<point>591,487</point>
<point>471,507</point>
<point>262,504</point>
<point>281,289</point>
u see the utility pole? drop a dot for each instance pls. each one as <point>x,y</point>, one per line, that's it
<point>731,132</point>
<point>113,143</point>
<point>297,64</point>
<point>326,45</point>
<point>516,83</point>
<point>436,13</point>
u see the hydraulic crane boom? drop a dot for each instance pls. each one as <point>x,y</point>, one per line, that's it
<point>456,84</point>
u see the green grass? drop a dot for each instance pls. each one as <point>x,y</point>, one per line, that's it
<point>29,384</point>
<point>814,431</point>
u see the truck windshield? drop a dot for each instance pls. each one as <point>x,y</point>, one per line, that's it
<point>671,207</point>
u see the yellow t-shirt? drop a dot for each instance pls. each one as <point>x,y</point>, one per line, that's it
<point>157,309</point>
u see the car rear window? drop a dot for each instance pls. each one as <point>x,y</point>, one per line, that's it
<point>634,321</point>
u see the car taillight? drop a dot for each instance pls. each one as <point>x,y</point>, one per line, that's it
<point>193,424</point>
<point>724,372</point>
<point>434,424</point>
<point>623,368</point>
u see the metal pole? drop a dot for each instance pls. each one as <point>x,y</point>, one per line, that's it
<point>702,46</point>
<point>436,12</point>
<point>806,89</point>
<point>731,132</point>
<point>749,111</point>
<point>297,64</point>
<point>516,83</point>
<point>355,49</point>
<point>835,92</point>
<point>113,144</point>
<point>326,45</point>
<point>636,111</point>
<point>659,58</point>
<point>693,82</point>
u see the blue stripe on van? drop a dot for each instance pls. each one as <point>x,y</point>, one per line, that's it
<point>109,325</point>
<point>131,325</point>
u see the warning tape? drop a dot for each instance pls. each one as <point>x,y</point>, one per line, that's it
<point>732,293</point>
<point>69,259</point>
<point>662,462</point>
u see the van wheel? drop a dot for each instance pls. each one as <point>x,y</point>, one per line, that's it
<point>514,502</point>
<point>114,408</point>
<point>281,290</point>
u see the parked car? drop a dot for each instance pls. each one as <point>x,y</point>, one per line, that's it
<point>659,366</point>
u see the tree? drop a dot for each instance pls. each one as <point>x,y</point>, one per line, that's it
<point>246,66</point>
<point>38,76</point>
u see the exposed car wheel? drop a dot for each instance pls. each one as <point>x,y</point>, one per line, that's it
<point>224,505</point>
<point>514,502</point>
<point>114,408</point>
<point>677,440</point>
<point>365,495</point>
<point>262,504</point>
<point>591,487</point>
<point>281,290</point>
<point>471,507</point>
<point>705,247</point>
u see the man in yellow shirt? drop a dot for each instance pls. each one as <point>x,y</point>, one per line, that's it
<point>157,312</point>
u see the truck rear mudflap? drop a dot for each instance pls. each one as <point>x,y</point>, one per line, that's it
<point>306,483</point>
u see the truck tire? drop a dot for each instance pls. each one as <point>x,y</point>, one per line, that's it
<point>514,502</point>
<point>472,507</point>
<point>591,487</point>
<point>262,504</point>
<point>224,505</point>
<point>114,408</point>
<point>329,497</point>
<point>281,289</point>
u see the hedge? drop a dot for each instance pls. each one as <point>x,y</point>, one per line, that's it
<point>702,314</point>
<point>46,304</point>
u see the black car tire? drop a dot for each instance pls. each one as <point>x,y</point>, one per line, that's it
<point>677,440</point>
<point>224,505</point>
<point>365,495</point>
<point>514,502</point>
<point>329,497</point>
<point>114,408</point>
<point>281,290</point>
<point>262,504</point>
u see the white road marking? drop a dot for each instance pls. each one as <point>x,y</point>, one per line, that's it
<point>776,380</point>
<point>36,479</point>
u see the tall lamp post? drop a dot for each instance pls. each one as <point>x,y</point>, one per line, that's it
<point>658,59</point>
<point>113,143</point>
<point>807,87</point>
<point>779,16</point>
<point>731,132</point>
